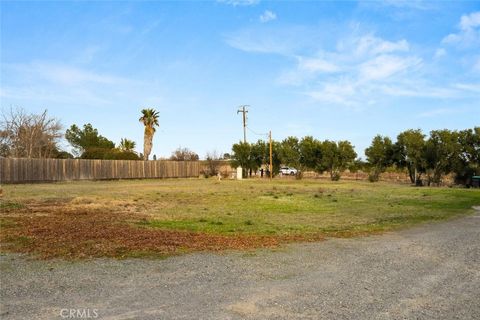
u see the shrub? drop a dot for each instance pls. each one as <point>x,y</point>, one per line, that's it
<point>109,154</point>
<point>335,176</point>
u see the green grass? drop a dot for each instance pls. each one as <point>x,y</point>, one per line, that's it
<point>10,205</point>
<point>19,241</point>
<point>281,207</point>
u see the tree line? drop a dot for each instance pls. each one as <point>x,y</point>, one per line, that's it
<point>30,135</point>
<point>24,135</point>
<point>426,159</point>
<point>305,154</point>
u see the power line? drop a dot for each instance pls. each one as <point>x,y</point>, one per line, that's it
<point>256,133</point>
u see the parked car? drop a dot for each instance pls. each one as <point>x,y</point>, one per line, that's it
<point>288,171</point>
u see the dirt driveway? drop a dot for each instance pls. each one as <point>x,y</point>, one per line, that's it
<point>428,272</point>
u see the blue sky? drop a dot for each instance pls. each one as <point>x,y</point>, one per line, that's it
<point>334,70</point>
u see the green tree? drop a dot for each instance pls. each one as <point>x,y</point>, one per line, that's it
<point>252,156</point>
<point>149,119</point>
<point>290,152</point>
<point>126,145</point>
<point>109,154</point>
<point>241,156</point>
<point>62,155</point>
<point>258,155</point>
<point>379,156</point>
<point>276,156</point>
<point>336,157</point>
<point>442,152</point>
<point>468,163</point>
<point>464,166</point>
<point>88,138</point>
<point>410,153</point>
<point>310,153</point>
<point>357,165</point>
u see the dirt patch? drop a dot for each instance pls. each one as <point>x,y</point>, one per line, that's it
<point>97,233</point>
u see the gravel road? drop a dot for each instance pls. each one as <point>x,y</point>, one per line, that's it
<point>427,272</point>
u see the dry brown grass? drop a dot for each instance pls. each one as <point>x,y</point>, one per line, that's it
<point>71,230</point>
<point>165,217</point>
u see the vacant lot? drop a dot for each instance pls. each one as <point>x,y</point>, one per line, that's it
<point>426,272</point>
<point>158,217</point>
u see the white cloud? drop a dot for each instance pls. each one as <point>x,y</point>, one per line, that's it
<point>361,70</point>
<point>440,53</point>
<point>307,69</point>
<point>473,87</point>
<point>342,92</point>
<point>283,40</point>
<point>268,16</point>
<point>49,82</point>
<point>249,42</point>
<point>476,65</point>
<point>47,94</point>
<point>353,74</point>
<point>317,65</point>
<point>63,74</point>
<point>452,38</point>
<point>385,66</point>
<point>410,4</point>
<point>418,90</point>
<point>236,3</point>
<point>68,75</point>
<point>470,21</point>
<point>435,112</point>
<point>469,35</point>
<point>294,78</point>
<point>370,45</point>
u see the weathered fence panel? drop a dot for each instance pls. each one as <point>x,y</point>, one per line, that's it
<point>20,170</point>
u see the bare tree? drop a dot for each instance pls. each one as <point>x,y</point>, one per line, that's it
<point>213,163</point>
<point>184,154</point>
<point>24,135</point>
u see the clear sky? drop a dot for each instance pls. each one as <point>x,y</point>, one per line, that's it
<point>334,70</point>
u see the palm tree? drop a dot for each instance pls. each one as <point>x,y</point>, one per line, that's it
<point>126,145</point>
<point>150,120</point>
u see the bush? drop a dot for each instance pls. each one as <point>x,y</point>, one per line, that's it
<point>335,176</point>
<point>374,176</point>
<point>123,155</point>
<point>299,175</point>
<point>95,153</point>
<point>213,164</point>
<point>63,155</point>
<point>109,154</point>
<point>184,154</point>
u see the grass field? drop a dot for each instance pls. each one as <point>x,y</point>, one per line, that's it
<point>162,217</point>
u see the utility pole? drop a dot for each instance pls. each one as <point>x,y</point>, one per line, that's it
<point>244,112</point>
<point>271,162</point>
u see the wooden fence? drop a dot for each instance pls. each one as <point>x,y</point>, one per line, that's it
<point>44,170</point>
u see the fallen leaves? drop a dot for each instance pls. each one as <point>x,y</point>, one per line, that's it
<point>104,233</point>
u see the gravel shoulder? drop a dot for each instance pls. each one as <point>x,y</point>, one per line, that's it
<point>427,272</point>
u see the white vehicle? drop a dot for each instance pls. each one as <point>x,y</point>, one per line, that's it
<point>288,171</point>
